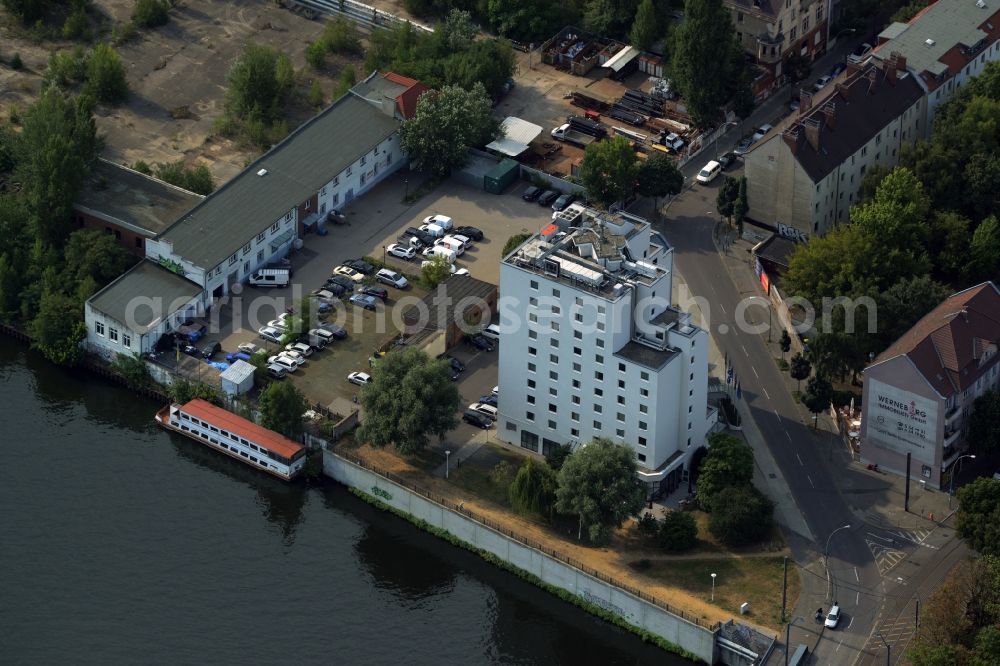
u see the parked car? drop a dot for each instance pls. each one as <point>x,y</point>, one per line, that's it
<point>442,221</point>
<point>728,160</point>
<point>210,349</point>
<point>248,348</point>
<point>833,617</point>
<point>401,251</point>
<point>278,324</point>
<point>269,333</point>
<point>477,419</point>
<point>496,391</point>
<point>744,145</point>
<point>360,265</point>
<point>359,378</point>
<point>313,341</point>
<point>709,172</point>
<point>275,371</point>
<point>490,400</point>
<point>492,333</point>
<point>337,331</point>
<point>837,69</point>
<point>485,410</point>
<point>341,281</point>
<point>377,292</point>
<point>392,278</point>
<point>479,342</point>
<point>191,350</point>
<point>821,82</point>
<point>860,53</point>
<point>283,362</point>
<point>323,293</point>
<point>562,201</point>
<point>472,233</point>
<point>532,193</point>
<point>456,365</point>
<point>296,357</point>
<point>410,241</point>
<point>348,272</point>
<point>762,132</point>
<point>421,235</point>
<point>548,198</point>
<point>300,347</point>
<point>363,300</point>
<point>320,334</point>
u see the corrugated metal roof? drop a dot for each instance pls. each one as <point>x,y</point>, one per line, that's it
<point>238,372</point>
<point>145,295</point>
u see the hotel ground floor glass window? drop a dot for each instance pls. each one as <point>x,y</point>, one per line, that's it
<point>548,445</point>
<point>529,440</point>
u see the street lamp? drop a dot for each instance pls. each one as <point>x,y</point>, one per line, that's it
<point>383,254</point>
<point>768,306</point>
<point>888,648</point>
<point>951,484</point>
<point>713,587</point>
<point>788,637</point>
<point>447,461</point>
<point>826,556</point>
<point>406,185</point>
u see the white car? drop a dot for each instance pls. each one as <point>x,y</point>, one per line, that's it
<point>300,347</point>
<point>433,229</point>
<point>708,174</point>
<point>323,294</point>
<point>763,130</point>
<point>485,410</point>
<point>833,618</point>
<point>442,221</point>
<point>451,244</point>
<point>283,362</point>
<point>821,82</point>
<point>294,356</point>
<point>278,324</point>
<point>248,348</point>
<point>359,378</point>
<point>270,333</point>
<point>392,278</point>
<point>496,390</point>
<point>454,271</point>
<point>401,251</point>
<point>348,272</point>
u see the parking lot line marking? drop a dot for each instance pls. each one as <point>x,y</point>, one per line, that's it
<point>799,459</point>
<point>744,351</point>
<point>810,481</point>
<point>755,372</point>
<point>788,436</point>
<point>856,575</point>
<point>768,395</point>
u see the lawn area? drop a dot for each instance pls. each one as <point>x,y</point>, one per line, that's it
<point>756,580</point>
<point>482,477</point>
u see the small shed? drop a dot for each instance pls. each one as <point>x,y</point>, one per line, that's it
<point>517,134</point>
<point>237,378</point>
<point>501,176</point>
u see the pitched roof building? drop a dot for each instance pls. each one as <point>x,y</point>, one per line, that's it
<point>804,179</point>
<point>919,393</point>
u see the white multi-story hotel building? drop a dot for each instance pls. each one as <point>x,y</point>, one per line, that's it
<point>591,347</point>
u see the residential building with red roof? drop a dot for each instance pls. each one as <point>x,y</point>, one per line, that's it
<point>919,393</point>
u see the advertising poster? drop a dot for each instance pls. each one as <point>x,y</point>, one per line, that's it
<point>902,422</point>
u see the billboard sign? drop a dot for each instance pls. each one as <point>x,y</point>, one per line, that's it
<point>902,421</point>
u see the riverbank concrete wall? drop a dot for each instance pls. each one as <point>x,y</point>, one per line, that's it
<point>697,640</point>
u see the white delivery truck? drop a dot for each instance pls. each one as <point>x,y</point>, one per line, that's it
<point>270,277</point>
<point>443,251</point>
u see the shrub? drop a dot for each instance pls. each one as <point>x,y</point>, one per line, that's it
<point>151,13</point>
<point>678,531</point>
<point>142,167</point>
<point>16,63</point>
<point>648,525</point>
<point>316,55</point>
<point>500,474</point>
<point>65,68</point>
<point>123,32</point>
<point>341,36</point>
<point>77,25</point>
<point>533,489</point>
<point>740,515</point>
<point>316,97</point>
<point>106,75</point>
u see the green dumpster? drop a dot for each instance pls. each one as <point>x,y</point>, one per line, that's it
<point>501,176</point>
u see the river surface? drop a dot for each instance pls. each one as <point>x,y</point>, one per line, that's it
<point>121,543</point>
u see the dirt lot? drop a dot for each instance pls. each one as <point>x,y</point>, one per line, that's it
<point>182,65</point>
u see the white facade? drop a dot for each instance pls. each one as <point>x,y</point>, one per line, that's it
<point>369,169</point>
<point>597,351</point>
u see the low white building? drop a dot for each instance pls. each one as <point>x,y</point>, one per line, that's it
<point>591,347</point>
<point>237,379</point>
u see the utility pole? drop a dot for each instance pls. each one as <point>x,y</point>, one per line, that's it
<point>906,500</point>
<point>784,594</point>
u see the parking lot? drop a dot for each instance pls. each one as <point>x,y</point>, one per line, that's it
<point>376,220</point>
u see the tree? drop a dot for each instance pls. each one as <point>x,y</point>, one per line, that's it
<point>725,200</point>
<point>897,218</point>
<point>106,75</point>
<point>459,30</point>
<point>281,408</point>
<point>873,177</point>
<point>348,77</point>
<point>678,531</point>
<point>258,83</point>
<point>29,11</point>
<point>729,462</point>
<point>133,369</point>
<point>984,253</point>
<point>525,20</point>
<point>659,176</point>
<point>411,397</point>
<point>843,263</point>
<point>436,271</point>
<point>58,329</point>
<point>513,243</point>
<point>316,98</point>
<point>800,369</point>
<point>785,343</point>
<point>316,54</point>
<point>447,122</point>
<point>904,303</point>
<point>819,394</point>
<point>741,515</point>
<point>645,27</point>
<point>151,13</point>
<point>598,484</point>
<point>557,455</point>
<point>197,179</point>
<point>93,254</point>
<point>533,489</point>
<point>979,515</point>
<point>741,206</point>
<point>340,35</point>
<point>609,170</point>
<point>984,423</point>
<point>488,62</point>
<point>703,65</point>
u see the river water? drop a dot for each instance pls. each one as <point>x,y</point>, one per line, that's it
<point>121,543</point>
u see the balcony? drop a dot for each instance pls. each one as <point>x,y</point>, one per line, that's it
<point>951,413</point>
<point>951,436</point>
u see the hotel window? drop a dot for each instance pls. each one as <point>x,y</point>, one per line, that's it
<point>555,326</point>
<point>98,328</point>
<point>599,358</point>
<point>275,227</point>
<point>233,259</point>
<point>621,400</point>
<point>578,335</point>
<point>531,383</point>
<point>644,376</point>
<point>553,375</point>
<point>576,400</point>
<point>530,416</point>
<point>598,409</point>
<point>532,335</point>
<point>598,392</point>
<point>532,317</point>
<point>534,284</point>
<point>531,367</point>
<point>553,408</point>
<point>642,409</point>
<point>552,425</point>
<point>621,367</point>
<point>641,457</point>
<point>600,343</point>
<point>578,300</point>
<point>599,376</point>
<point>529,440</point>
<point>578,317</point>
<point>620,432</point>
<point>597,425</point>
<point>574,432</point>
<point>532,351</point>
<point>531,399</point>
<point>556,310</point>
<point>246,249</point>
<point>553,342</point>
<point>621,383</point>
<point>577,367</point>
<point>642,425</point>
<point>621,417</point>
<point>600,326</point>
<point>600,309</point>
<point>577,351</point>
<point>553,391</point>
<point>126,339</point>
<point>576,383</point>
<point>532,301</point>
<point>555,292</point>
<point>642,441</point>
<point>553,358</point>
<point>113,334</point>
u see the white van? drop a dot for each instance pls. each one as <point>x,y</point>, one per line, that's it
<point>708,174</point>
<point>452,243</point>
<point>270,277</point>
<point>442,251</point>
<point>433,229</point>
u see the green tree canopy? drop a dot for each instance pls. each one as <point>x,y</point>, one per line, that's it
<point>658,176</point>
<point>533,489</point>
<point>525,20</point>
<point>800,368</point>
<point>436,271</point>
<point>678,532</point>
<point>904,303</point>
<point>646,26</point>
<point>609,170</point>
<point>984,423</point>
<point>729,462</point>
<point>29,11</point>
<point>984,254</point>
<point>725,200</point>
<point>106,75</point>
<point>705,59</point>
<point>58,329</point>
<point>258,84</point>
<point>979,515</point>
<point>281,408</point>
<point>819,394</point>
<point>447,122</point>
<point>513,243</point>
<point>151,13</point>
<point>741,515</point>
<point>411,397</point>
<point>90,253</point>
<point>845,262</point>
<point>598,484</point>
<point>197,179</point>
<point>557,455</point>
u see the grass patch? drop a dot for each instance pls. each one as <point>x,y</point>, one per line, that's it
<point>756,580</point>
<point>782,364</point>
<point>423,190</point>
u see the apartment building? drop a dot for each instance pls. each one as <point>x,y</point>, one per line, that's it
<point>919,393</point>
<point>945,45</point>
<point>771,30</point>
<point>590,346</point>
<point>803,180</point>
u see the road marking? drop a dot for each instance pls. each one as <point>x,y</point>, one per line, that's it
<point>799,459</point>
<point>788,436</point>
<point>744,351</point>
<point>766,394</point>
<point>755,372</point>
<point>810,481</point>
<point>778,415</point>
<point>721,307</point>
<point>856,575</point>
<point>857,599</point>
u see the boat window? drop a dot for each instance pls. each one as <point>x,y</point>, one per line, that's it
<point>213,428</point>
<point>243,453</point>
<point>244,441</point>
<point>253,447</point>
<point>252,458</point>
<point>203,435</point>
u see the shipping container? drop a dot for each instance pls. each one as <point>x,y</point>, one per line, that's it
<point>501,176</point>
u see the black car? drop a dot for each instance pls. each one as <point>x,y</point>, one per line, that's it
<point>548,198</point>
<point>562,202</point>
<point>410,241</point>
<point>338,332</point>
<point>377,292</point>
<point>727,160</point>
<point>341,280</point>
<point>360,266</point>
<point>210,349</point>
<point>489,400</point>
<point>420,235</point>
<point>479,342</point>
<point>191,350</point>
<point>314,341</point>
<point>456,365</point>
<point>471,233</point>
<point>531,193</point>
<point>335,288</point>
<point>477,419</point>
